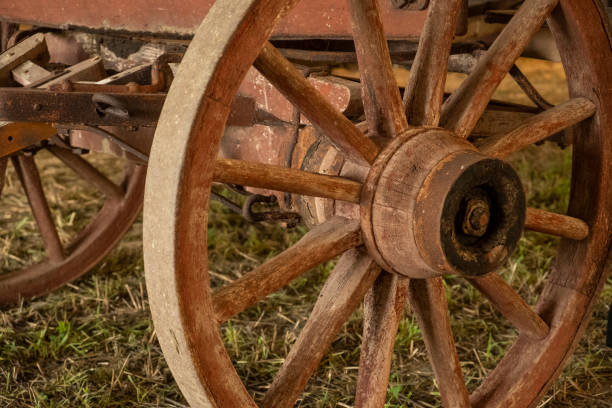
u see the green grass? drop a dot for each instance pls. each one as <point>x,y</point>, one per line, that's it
<point>92,343</point>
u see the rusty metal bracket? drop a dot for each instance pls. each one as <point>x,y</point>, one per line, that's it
<point>37,113</point>
<point>529,90</point>
<point>17,136</point>
<point>247,209</point>
<point>562,139</point>
<point>140,155</point>
<point>34,105</point>
<point>109,105</point>
<point>248,212</point>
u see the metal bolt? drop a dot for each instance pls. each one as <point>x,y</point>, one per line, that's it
<point>477,216</point>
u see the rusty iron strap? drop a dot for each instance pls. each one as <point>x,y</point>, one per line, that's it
<point>17,136</point>
<point>33,105</point>
<point>83,108</point>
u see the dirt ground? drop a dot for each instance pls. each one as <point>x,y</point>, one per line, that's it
<point>92,343</point>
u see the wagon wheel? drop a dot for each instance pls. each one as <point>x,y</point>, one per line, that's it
<point>65,263</point>
<point>431,205</point>
<point>6,30</point>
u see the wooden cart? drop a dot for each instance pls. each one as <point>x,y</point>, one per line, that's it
<point>405,186</point>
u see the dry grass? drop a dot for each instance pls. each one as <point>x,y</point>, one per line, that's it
<point>92,343</point>
<point>72,200</point>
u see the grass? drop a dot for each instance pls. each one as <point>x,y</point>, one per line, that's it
<point>92,343</point>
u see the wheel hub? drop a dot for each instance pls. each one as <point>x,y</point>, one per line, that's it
<point>433,205</point>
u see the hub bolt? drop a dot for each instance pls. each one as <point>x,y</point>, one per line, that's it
<point>477,215</point>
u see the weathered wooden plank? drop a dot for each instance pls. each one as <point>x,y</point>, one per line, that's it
<point>29,73</point>
<point>31,48</point>
<point>91,69</point>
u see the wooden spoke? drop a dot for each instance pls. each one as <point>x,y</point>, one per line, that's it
<point>464,107</point>
<point>292,84</point>
<point>286,179</point>
<point>345,288</point>
<point>428,302</point>
<point>87,172</point>
<point>30,180</point>
<point>382,311</point>
<point>3,162</point>
<point>320,244</point>
<point>511,305</point>
<point>556,224</point>
<point>382,101</point>
<point>500,120</point>
<point>425,88</point>
<point>539,127</point>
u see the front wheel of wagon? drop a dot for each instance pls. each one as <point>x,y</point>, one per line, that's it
<point>183,165</point>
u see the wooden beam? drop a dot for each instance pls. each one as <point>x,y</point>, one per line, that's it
<point>31,48</point>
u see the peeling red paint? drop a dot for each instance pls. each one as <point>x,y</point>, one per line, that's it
<point>314,18</point>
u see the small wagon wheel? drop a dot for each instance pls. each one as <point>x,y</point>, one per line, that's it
<point>66,262</point>
<point>432,204</point>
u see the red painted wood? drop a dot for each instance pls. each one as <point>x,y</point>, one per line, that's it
<point>314,18</point>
